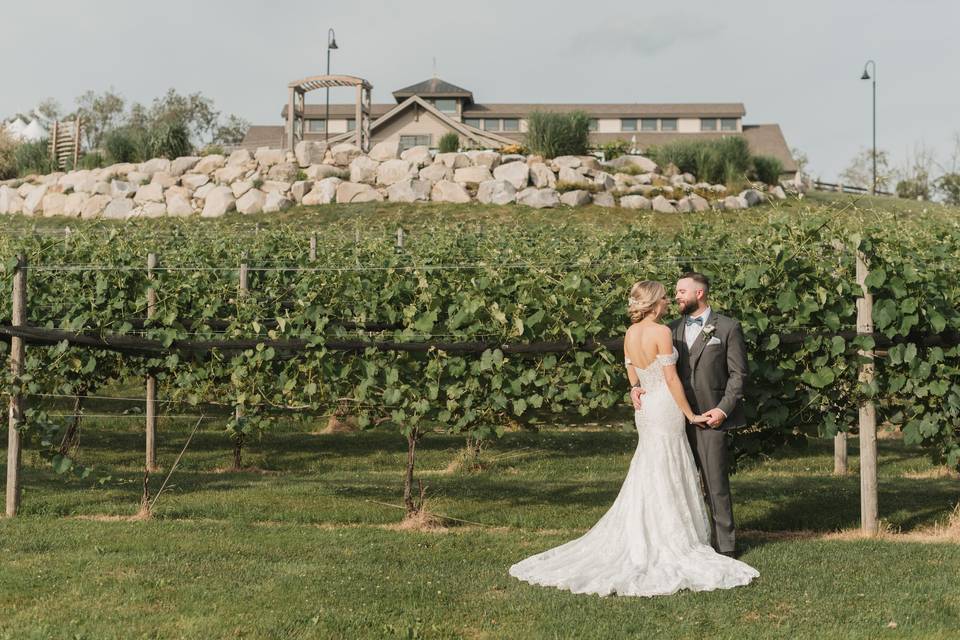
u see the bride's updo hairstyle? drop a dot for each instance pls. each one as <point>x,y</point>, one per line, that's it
<point>644,296</point>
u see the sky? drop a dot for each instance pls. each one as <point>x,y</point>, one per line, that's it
<point>797,64</point>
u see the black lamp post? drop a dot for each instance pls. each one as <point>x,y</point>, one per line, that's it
<point>331,44</point>
<point>866,76</point>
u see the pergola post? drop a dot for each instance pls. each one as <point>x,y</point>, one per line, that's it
<point>290,116</point>
<point>296,106</point>
<point>359,118</point>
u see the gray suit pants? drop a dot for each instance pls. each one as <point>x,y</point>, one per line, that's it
<point>710,453</point>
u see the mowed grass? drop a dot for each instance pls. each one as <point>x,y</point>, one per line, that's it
<point>305,545</point>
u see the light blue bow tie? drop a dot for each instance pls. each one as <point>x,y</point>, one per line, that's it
<point>693,321</point>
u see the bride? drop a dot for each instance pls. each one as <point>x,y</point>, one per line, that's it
<point>655,538</point>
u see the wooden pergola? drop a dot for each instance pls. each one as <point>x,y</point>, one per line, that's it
<point>296,106</point>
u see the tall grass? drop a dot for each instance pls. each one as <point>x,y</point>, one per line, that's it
<point>449,142</point>
<point>551,134</point>
<point>767,169</point>
<point>725,160</point>
<point>34,157</point>
<point>163,140</point>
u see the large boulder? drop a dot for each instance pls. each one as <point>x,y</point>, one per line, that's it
<point>778,193</point>
<point>410,190</point>
<point>641,162</point>
<point>323,192</point>
<point>152,192</point>
<point>538,198</point>
<point>251,202</point>
<point>363,170</point>
<point>488,159</point>
<point>752,197</point>
<point>698,203</point>
<point>181,165</point>
<point>454,160</point>
<point>344,153</point>
<point>150,167</point>
<point>568,162</point>
<point>589,163</point>
<point>321,171</point>
<point>309,152</point>
<point>733,202</point>
<point>33,201</point>
<point>201,193</point>
<point>604,199</point>
<point>348,192</point>
<point>635,202</point>
<point>284,171</point>
<point>394,171</point>
<point>150,210</point>
<point>663,205</point>
<point>164,179</point>
<point>239,157</point>
<point>496,192</point>
<point>193,181</point>
<point>178,203</point>
<point>472,176</point>
<point>53,204</point>
<point>267,157</point>
<point>576,198</point>
<point>299,189</point>
<point>240,187</point>
<point>516,173</point>
<point>604,180</point>
<point>10,200</point>
<point>279,186</point>
<point>419,156</point>
<point>230,174</point>
<point>209,164</point>
<point>276,202</point>
<point>541,176</point>
<point>386,150</point>
<point>436,172</point>
<point>94,205</point>
<point>572,176</point>
<point>118,209</point>
<point>122,189</point>
<point>447,191</point>
<point>218,202</point>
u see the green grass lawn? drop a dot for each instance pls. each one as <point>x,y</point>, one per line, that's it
<point>304,548</point>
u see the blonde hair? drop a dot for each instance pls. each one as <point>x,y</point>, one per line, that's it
<point>644,296</point>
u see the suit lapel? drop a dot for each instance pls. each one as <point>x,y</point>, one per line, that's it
<point>697,349</point>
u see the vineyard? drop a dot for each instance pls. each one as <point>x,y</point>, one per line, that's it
<point>473,327</point>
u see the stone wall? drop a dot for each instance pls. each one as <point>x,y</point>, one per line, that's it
<point>270,180</point>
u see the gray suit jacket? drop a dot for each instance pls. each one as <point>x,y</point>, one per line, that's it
<point>714,375</point>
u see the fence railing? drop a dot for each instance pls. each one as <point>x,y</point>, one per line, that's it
<point>848,188</point>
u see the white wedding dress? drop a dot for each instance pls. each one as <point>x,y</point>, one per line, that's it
<point>655,539</point>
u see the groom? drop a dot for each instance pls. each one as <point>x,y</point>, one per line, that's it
<point>713,369</point>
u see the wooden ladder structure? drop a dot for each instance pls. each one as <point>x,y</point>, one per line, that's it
<point>65,142</point>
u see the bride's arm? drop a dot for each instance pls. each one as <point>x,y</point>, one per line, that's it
<point>664,347</point>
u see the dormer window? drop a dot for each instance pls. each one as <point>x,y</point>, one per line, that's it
<point>446,105</point>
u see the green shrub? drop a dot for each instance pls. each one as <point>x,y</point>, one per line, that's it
<point>725,160</point>
<point>914,189</point>
<point>169,140</point>
<point>92,160</point>
<point>767,169</point>
<point>449,142</point>
<point>34,157</point>
<point>122,145</point>
<point>8,156</point>
<point>301,175</point>
<point>212,150</point>
<point>257,183</point>
<point>563,187</point>
<point>552,134</point>
<point>614,149</point>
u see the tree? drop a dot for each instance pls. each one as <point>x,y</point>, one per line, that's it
<point>194,110</point>
<point>101,113</point>
<point>915,177</point>
<point>948,186</point>
<point>801,160</point>
<point>232,131</point>
<point>859,173</point>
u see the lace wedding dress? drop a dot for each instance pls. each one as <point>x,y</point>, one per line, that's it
<point>655,539</point>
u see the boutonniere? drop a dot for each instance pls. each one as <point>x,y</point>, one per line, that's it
<point>708,329</point>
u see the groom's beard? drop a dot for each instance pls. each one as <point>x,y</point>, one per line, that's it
<point>687,307</point>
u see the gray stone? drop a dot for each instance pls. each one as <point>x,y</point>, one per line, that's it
<point>663,205</point>
<point>230,174</point>
<point>516,173</point>
<point>386,150</point>
<point>538,198</point>
<point>453,160</point>
<point>394,171</point>
<point>309,152</point>
<point>279,186</point>
<point>150,167</point>
<point>472,176</point>
<point>565,162</point>
<point>644,164</point>
<point>571,175</point>
<point>209,164</point>
<point>202,192</point>
<point>576,198</point>
<point>218,202</point>
<point>181,165</point>
<point>240,187</point>
<point>94,206</point>
<point>149,193</point>
<point>164,179</point>
<point>589,163</point>
<point>604,180</point>
<point>10,200</point>
<point>348,192</point>
<point>53,204</point>
<point>284,171</point>
<point>122,189</point>
<point>321,171</point>
<point>152,210</point>
<point>33,201</point>
<point>541,176</point>
<point>363,170</point>
<point>733,202</point>
<point>410,190</point>
<point>276,202</point>
<point>178,204</point>
<point>604,199</point>
<point>635,202</point>
<point>419,156</point>
<point>698,203</point>
<point>684,206</point>
<point>447,191</point>
<point>344,153</point>
<point>436,172</point>
<point>752,197</point>
<point>239,157</point>
<point>778,193</point>
<point>194,181</point>
<point>118,209</point>
<point>74,204</point>
<point>496,192</point>
<point>267,157</point>
<point>323,192</point>
<point>488,159</point>
<point>299,189</point>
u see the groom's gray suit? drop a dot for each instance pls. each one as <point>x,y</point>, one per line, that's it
<point>714,373</point>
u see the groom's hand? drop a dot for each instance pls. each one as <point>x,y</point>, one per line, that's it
<point>635,394</point>
<point>715,417</point>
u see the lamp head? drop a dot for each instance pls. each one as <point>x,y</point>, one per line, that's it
<point>865,76</point>
<point>331,40</point>
<point>333,44</point>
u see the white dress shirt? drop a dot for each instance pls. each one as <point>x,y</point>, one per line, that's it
<point>691,331</point>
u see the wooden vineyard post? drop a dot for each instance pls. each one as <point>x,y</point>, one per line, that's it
<point>238,412</point>
<point>840,440</point>
<point>18,318</point>
<point>868,415</point>
<point>151,426</point>
<point>313,247</point>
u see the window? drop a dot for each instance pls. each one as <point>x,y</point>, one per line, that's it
<point>648,124</point>
<point>728,124</point>
<point>668,124</point>
<point>628,124</point>
<point>406,142</point>
<point>316,126</point>
<point>511,124</point>
<point>472,122</point>
<point>491,124</point>
<point>708,124</point>
<point>351,124</point>
<point>594,124</point>
<point>446,105</point>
